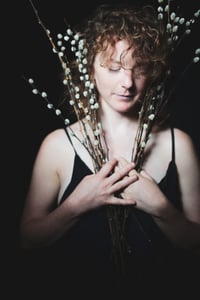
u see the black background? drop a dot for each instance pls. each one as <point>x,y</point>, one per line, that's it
<point>27,118</point>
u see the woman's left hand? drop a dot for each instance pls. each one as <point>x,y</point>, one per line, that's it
<point>145,192</point>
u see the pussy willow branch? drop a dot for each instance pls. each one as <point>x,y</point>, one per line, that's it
<point>70,88</point>
<point>116,215</point>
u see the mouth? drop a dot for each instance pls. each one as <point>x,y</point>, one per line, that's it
<point>125,97</point>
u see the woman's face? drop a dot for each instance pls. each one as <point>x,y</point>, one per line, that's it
<point>118,81</point>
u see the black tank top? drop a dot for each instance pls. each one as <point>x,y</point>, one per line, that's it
<point>87,246</point>
<point>80,263</point>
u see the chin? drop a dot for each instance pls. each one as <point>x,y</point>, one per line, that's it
<point>125,107</point>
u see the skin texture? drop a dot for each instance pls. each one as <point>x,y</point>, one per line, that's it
<point>119,90</point>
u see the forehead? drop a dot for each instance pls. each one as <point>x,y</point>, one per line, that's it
<point>120,52</point>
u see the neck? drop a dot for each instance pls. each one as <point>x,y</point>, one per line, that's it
<point>116,122</point>
<point>119,131</point>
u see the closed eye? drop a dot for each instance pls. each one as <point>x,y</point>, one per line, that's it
<point>114,69</point>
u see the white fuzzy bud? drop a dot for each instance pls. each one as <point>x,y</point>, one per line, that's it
<point>67,121</point>
<point>172,16</point>
<point>166,8</point>
<point>50,105</point>
<point>169,26</point>
<point>197,51</point>
<point>58,112</point>
<point>91,85</point>
<point>35,91</point>
<point>160,9</point>
<point>31,81</point>
<point>181,21</point>
<point>44,94</point>
<point>151,117</point>
<point>71,102</point>
<point>197,13</point>
<point>96,105</point>
<point>59,43</point>
<point>91,101</point>
<point>76,37</point>
<point>188,31</point>
<point>196,59</point>
<point>67,71</point>
<point>66,38</point>
<point>69,32</point>
<point>77,89</point>
<point>175,28</point>
<point>87,84</point>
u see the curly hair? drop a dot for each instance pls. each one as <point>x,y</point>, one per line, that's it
<point>138,26</point>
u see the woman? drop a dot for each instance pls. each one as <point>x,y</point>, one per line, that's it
<point>78,188</point>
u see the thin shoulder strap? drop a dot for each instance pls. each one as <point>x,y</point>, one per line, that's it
<point>69,137</point>
<point>173,144</point>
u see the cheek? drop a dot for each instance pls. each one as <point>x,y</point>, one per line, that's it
<point>102,81</point>
<point>140,84</point>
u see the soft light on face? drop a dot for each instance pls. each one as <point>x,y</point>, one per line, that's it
<point>118,81</point>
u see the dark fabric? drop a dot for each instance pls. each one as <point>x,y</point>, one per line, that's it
<point>142,233</point>
<point>81,261</point>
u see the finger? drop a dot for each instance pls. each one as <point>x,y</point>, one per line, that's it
<point>119,201</point>
<point>120,173</point>
<point>107,169</point>
<point>122,184</point>
<point>133,172</point>
<point>122,162</point>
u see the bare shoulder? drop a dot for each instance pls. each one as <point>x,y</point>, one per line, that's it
<point>56,155</point>
<point>184,144</point>
<point>186,156</point>
<point>57,135</point>
<point>55,149</point>
<point>162,146</point>
<point>187,161</point>
<point>182,140</point>
<point>56,140</point>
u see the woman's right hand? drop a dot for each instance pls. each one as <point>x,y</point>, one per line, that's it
<point>100,189</point>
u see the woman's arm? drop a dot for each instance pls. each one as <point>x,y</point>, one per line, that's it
<point>42,220</point>
<point>182,228</point>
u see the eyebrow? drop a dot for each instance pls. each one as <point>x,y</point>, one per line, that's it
<point>114,62</point>
<point>122,65</point>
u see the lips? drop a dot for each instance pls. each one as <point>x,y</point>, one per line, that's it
<point>125,97</point>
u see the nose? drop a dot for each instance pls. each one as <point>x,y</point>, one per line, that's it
<point>127,79</point>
